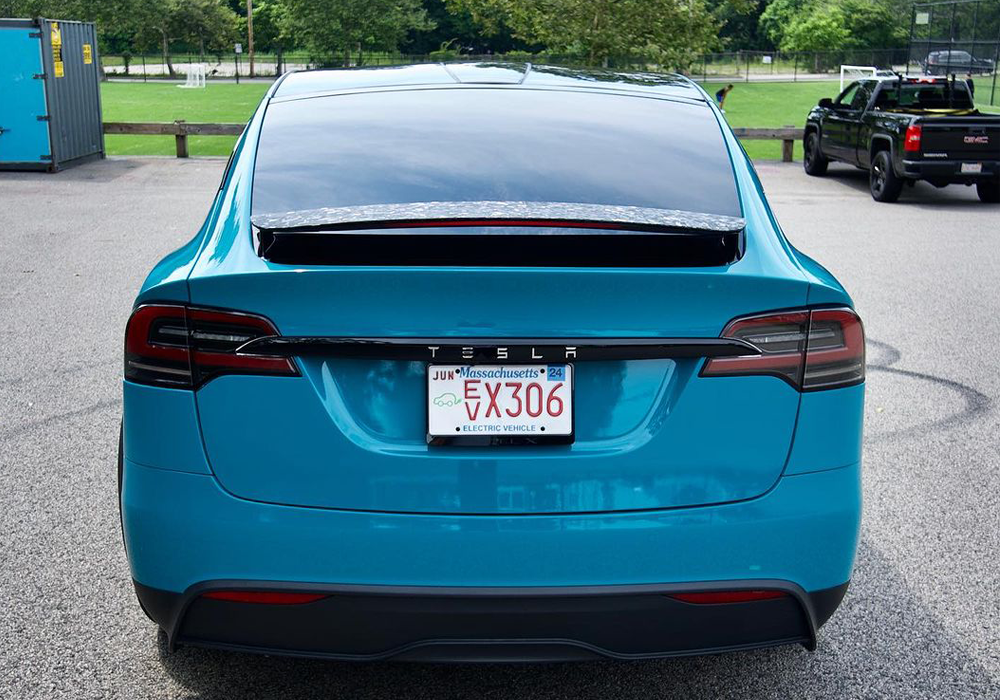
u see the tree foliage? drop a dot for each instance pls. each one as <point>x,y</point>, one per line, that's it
<point>330,28</point>
<point>666,31</point>
<point>820,25</point>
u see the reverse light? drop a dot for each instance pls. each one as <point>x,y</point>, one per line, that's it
<point>183,347</point>
<point>721,597</point>
<point>911,142</point>
<point>265,597</point>
<point>810,349</point>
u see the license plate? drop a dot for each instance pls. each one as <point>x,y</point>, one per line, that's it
<point>485,403</point>
<point>972,168</point>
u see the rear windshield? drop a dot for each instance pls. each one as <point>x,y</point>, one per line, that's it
<point>925,96</point>
<point>491,144</point>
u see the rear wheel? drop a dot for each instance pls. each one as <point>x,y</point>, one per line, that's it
<point>813,161</point>
<point>989,190</point>
<point>885,185</point>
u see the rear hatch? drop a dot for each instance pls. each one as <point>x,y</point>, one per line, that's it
<point>352,431</point>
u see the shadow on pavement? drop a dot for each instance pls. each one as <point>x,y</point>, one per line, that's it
<point>921,194</point>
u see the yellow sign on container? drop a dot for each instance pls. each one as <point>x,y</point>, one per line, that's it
<point>88,54</point>
<point>56,39</point>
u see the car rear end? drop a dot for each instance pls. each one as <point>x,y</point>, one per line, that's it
<point>948,141</point>
<point>491,372</point>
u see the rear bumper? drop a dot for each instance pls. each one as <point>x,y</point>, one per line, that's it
<point>949,170</point>
<point>368,623</point>
<point>185,533</point>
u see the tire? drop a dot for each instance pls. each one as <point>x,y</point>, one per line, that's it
<point>989,191</point>
<point>883,182</point>
<point>814,162</point>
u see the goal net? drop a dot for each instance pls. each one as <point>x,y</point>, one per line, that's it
<point>849,73</point>
<point>196,76</point>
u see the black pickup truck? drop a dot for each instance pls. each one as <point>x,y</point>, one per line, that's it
<point>906,129</point>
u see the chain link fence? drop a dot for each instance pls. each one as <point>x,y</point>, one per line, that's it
<point>736,66</point>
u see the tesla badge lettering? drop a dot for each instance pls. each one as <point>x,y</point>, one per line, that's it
<point>527,352</point>
<point>981,140</point>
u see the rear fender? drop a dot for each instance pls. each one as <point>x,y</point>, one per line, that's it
<point>884,142</point>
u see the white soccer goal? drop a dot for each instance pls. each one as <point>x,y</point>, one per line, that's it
<point>851,73</point>
<point>196,76</point>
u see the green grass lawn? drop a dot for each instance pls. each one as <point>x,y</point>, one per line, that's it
<point>165,102</point>
<point>749,104</point>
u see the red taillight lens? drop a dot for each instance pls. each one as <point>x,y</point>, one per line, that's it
<point>265,597</point>
<point>811,350</point>
<point>911,142</point>
<point>719,597</point>
<point>781,339</point>
<point>184,347</point>
<point>835,352</point>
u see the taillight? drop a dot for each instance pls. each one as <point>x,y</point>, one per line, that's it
<point>911,142</point>
<point>811,350</point>
<point>184,347</point>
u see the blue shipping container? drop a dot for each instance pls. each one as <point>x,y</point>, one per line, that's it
<point>50,102</point>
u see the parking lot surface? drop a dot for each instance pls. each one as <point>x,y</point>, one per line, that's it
<point>922,618</point>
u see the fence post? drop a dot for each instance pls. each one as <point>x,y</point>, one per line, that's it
<point>787,147</point>
<point>181,140</point>
<point>748,68</point>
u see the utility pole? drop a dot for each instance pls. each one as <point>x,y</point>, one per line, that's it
<point>250,33</point>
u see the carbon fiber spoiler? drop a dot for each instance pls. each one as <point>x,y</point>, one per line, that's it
<point>575,234</point>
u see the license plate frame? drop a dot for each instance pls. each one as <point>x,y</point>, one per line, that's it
<point>972,168</point>
<point>440,438</point>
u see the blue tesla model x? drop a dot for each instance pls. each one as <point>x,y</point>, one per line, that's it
<point>490,362</point>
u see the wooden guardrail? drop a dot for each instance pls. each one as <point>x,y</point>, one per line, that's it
<point>786,134</point>
<point>180,130</point>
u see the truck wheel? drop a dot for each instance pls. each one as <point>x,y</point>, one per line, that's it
<point>813,161</point>
<point>989,190</point>
<point>885,185</point>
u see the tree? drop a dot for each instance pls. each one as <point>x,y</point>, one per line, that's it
<point>456,29</point>
<point>777,17</point>
<point>271,30</point>
<point>818,25</point>
<point>340,27</point>
<point>822,30</point>
<point>208,24</point>
<point>666,31</point>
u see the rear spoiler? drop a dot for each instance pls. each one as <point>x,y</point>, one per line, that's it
<point>575,234</point>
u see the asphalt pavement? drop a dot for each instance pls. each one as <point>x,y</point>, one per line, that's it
<point>921,620</point>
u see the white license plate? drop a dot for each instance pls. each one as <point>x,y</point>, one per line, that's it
<point>972,168</point>
<point>500,400</point>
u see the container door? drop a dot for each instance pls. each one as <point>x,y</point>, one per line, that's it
<point>71,62</point>
<point>24,138</point>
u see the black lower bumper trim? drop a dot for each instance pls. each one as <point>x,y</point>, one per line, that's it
<point>368,623</point>
<point>950,171</point>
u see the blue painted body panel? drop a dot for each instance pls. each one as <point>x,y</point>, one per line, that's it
<point>160,429</point>
<point>804,530</point>
<point>356,440</point>
<point>728,485</point>
<point>25,139</point>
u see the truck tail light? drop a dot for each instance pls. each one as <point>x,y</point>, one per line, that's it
<point>183,347</point>
<point>911,142</point>
<point>809,349</point>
